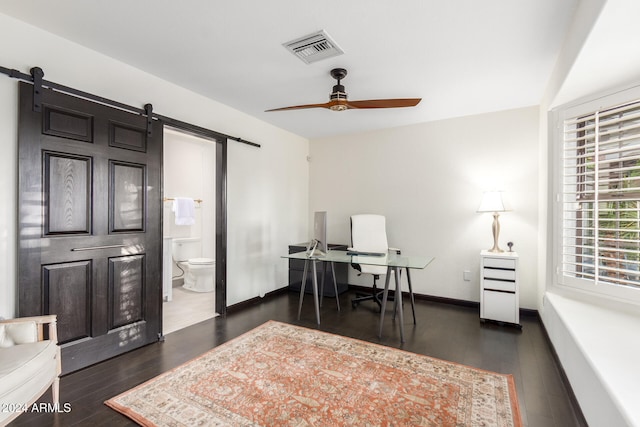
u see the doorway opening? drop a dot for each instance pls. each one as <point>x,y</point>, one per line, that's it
<point>192,174</point>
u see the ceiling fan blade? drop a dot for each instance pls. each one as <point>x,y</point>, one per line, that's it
<point>301,107</point>
<point>384,103</point>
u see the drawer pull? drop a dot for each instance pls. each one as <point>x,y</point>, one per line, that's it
<point>499,290</point>
<point>500,263</point>
<point>498,274</point>
<point>499,285</point>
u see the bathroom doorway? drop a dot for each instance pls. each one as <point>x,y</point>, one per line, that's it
<point>189,175</point>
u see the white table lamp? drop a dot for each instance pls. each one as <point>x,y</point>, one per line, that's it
<point>493,201</point>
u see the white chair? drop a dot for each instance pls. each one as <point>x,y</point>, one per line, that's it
<point>29,364</point>
<point>369,234</point>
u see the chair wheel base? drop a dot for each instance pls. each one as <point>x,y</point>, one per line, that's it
<point>375,296</point>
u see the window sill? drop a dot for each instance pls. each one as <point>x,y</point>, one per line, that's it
<point>596,342</point>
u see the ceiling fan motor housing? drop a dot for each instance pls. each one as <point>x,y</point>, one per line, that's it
<point>338,93</point>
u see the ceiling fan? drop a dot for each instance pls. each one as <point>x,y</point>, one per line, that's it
<point>338,99</point>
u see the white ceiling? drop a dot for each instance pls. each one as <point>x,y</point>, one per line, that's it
<point>608,59</point>
<point>462,57</point>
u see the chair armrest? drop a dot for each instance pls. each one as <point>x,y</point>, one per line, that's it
<point>38,319</point>
<point>51,319</point>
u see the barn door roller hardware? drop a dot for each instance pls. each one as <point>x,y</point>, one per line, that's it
<point>37,74</point>
<point>36,78</point>
<point>148,110</point>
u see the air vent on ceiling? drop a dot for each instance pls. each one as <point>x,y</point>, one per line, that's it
<point>314,47</point>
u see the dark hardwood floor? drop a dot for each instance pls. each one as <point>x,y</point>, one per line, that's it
<point>445,331</point>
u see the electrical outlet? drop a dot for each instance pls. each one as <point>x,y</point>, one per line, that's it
<point>466,275</point>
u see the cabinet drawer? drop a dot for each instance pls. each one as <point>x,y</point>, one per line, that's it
<point>499,306</point>
<point>500,263</point>
<point>499,285</point>
<point>494,273</point>
<point>296,264</point>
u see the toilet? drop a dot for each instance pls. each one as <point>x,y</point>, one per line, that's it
<point>198,271</point>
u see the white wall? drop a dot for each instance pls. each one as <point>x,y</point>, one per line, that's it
<point>268,205</point>
<point>428,180</point>
<point>267,187</point>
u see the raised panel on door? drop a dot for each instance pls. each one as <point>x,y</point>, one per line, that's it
<point>126,282</point>
<point>67,293</point>
<point>65,123</point>
<point>127,202</point>
<point>67,194</point>
<point>127,137</point>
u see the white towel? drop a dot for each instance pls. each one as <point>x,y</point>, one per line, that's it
<point>185,211</point>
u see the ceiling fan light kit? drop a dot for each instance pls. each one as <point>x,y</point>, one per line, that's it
<point>338,99</point>
<point>338,107</point>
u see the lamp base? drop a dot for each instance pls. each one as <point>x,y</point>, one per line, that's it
<point>496,232</point>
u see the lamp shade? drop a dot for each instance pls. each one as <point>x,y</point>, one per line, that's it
<point>493,201</point>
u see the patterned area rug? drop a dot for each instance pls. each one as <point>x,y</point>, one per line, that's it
<point>284,375</point>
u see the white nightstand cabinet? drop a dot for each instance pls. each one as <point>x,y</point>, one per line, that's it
<point>499,294</point>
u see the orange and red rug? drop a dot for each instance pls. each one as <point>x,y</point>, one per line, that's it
<point>284,375</point>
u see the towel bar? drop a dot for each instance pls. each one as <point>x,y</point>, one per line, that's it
<point>167,199</point>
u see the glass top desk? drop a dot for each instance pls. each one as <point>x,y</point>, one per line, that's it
<point>393,261</point>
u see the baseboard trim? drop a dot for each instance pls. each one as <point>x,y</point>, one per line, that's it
<point>256,300</point>
<point>443,300</point>
<point>364,289</point>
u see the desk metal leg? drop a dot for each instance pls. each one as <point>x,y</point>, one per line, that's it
<point>413,305</point>
<point>398,298</point>
<point>302,285</point>
<point>385,294</point>
<point>335,285</point>
<point>324,274</point>
<point>315,291</point>
<point>395,300</point>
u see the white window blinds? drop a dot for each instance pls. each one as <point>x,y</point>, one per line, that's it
<point>601,197</point>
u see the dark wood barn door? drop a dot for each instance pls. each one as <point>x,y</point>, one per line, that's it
<point>90,235</point>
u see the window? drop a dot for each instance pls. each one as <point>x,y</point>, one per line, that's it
<point>600,198</point>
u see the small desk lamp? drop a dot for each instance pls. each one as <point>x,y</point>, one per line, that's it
<point>492,201</point>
